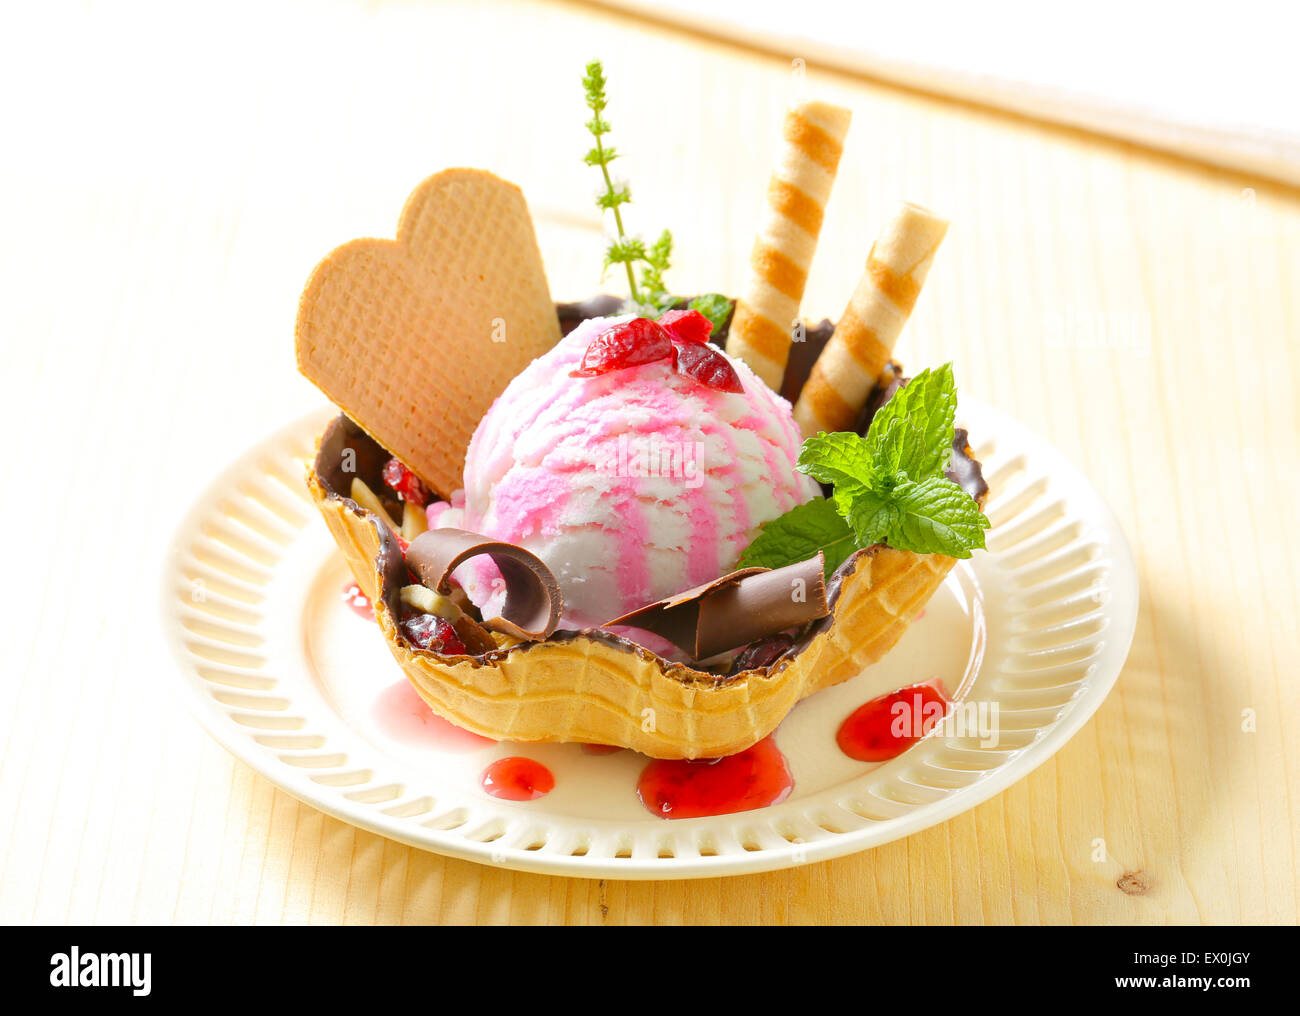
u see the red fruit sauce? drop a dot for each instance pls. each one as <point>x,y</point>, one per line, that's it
<point>887,726</point>
<point>402,715</point>
<point>600,749</point>
<point>517,779</point>
<point>358,601</point>
<point>753,778</point>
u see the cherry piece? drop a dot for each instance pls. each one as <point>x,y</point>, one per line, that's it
<point>762,653</point>
<point>627,345</point>
<point>707,366</point>
<point>887,726</point>
<point>687,326</point>
<point>408,486</point>
<point>429,631</point>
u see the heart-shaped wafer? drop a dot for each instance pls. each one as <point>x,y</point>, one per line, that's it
<point>415,337</point>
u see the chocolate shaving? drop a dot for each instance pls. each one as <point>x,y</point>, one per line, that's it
<point>474,635</point>
<point>533,601</point>
<point>736,609</point>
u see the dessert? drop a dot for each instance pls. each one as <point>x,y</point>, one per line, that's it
<point>600,522</point>
<point>632,484</point>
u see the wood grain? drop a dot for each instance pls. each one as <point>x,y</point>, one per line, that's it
<point>1139,312</point>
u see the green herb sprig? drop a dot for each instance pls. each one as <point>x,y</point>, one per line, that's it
<point>623,249</point>
<point>650,296</point>
<point>888,487</point>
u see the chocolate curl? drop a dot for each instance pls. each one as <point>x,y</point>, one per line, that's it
<point>533,600</point>
<point>736,609</point>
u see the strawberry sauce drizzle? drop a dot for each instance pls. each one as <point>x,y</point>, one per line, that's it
<point>517,779</point>
<point>402,715</point>
<point>754,778</point>
<point>887,726</point>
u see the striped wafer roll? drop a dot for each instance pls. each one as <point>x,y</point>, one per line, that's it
<point>761,330</point>
<point>843,376</point>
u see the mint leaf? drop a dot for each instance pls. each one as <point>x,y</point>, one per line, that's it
<point>889,486</point>
<point>842,458</point>
<point>715,307</point>
<point>871,514</point>
<point>935,516</point>
<point>912,433</point>
<point>798,535</point>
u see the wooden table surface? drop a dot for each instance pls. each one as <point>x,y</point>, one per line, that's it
<point>180,173</point>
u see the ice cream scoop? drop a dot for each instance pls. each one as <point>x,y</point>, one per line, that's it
<point>632,485</point>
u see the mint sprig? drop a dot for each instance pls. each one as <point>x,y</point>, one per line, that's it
<point>624,250</point>
<point>912,432</point>
<point>650,297</point>
<point>888,487</point>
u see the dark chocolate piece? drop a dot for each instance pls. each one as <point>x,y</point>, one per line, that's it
<point>802,356</point>
<point>533,600</point>
<point>474,635</point>
<point>964,469</point>
<point>736,609</point>
<point>346,451</point>
<point>573,314</point>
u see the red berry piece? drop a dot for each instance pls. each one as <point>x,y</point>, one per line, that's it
<point>429,631</point>
<point>707,366</point>
<point>408,486</point>
<point>687,326</point>
<point>762,653</point>
<point>627,345</point>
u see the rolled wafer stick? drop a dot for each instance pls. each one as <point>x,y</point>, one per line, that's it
<point>845,372</point>
<point>761,331</point>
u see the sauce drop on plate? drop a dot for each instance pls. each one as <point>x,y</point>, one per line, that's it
<point>517,779</point>
<point>887,726</point>
<point>753,778</point>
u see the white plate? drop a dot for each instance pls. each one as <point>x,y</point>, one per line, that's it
<point>283,674</point>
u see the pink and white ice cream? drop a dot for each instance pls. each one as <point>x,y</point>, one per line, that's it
<point>631,485</point>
